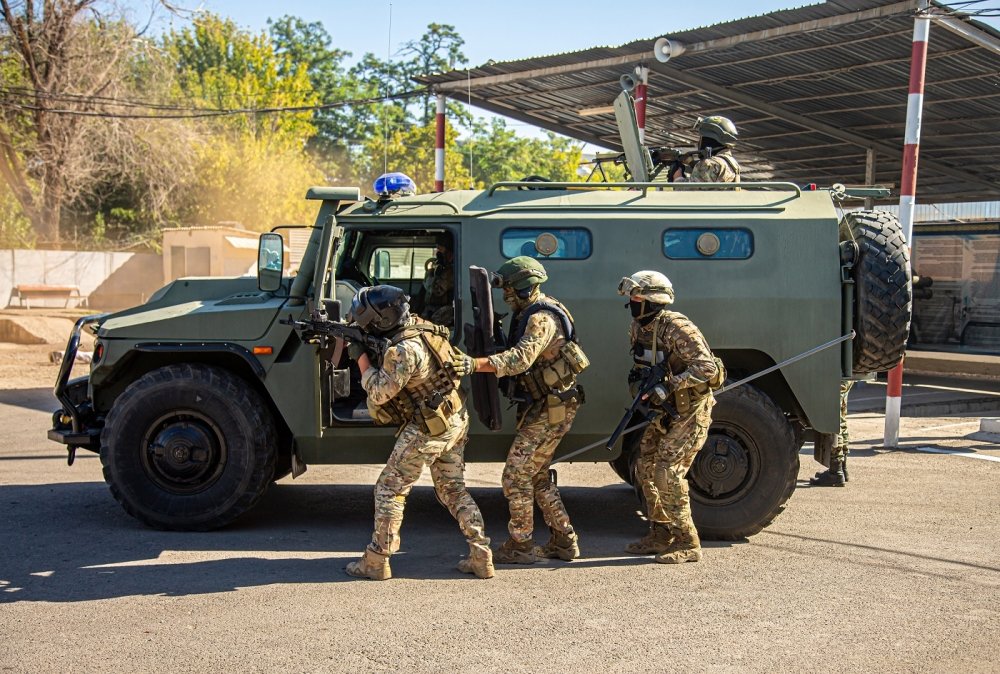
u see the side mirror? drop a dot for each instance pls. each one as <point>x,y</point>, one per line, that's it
<point>382,265</point>
<point>270,261</point>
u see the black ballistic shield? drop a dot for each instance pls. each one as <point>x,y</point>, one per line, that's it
<point>480,341</point>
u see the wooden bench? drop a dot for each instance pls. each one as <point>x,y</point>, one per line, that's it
<point>27,292</point>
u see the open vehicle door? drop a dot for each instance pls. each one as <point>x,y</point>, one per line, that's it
<point>480,341</point>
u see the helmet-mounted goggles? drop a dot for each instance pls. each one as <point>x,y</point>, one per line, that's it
<point>629,287</point>
<point>498,281</point>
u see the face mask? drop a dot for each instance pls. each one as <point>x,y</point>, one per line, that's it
<point>441,258</point>
<point>514,299</point>
<point>636,308</point>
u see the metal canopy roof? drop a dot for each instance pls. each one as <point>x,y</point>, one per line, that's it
<point>810,89</point>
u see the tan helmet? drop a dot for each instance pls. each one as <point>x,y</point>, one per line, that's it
<point>647,285</point>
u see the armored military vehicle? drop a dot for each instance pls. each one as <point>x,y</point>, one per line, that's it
<point>201,397</point>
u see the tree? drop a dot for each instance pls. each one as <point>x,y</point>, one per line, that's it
<point>307,45</point>
<point>61,57</point>
<point>498,153</point>
<point>411,151</point>
<point>252,168</point>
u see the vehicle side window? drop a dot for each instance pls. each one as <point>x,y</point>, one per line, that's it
<point>571,243</point>
<point>711,244</point>
<point>399,262</point>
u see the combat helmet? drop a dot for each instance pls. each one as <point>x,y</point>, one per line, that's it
<point>520,273</point>
<point>380,309</point>
<point>648,285</point>
<point>718,128</point>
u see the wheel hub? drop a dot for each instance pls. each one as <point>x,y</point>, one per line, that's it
<point>184,452</point>
<point>721,467</point>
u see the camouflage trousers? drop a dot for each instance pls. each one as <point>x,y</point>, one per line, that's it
<point>841,450</point>
<point>445,456</point>
<point>665,456</point>
<point>526,475</point>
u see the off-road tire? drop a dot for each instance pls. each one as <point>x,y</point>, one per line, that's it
<point>883,290</point>
<point>188,447</point>
<point>746,423</point>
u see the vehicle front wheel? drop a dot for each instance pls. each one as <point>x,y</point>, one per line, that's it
<point>188,447</point>
<point>746,470</point>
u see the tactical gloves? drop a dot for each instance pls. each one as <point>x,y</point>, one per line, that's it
<point>464,364</point>
<point>354,350</point>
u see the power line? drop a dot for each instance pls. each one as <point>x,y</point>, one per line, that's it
<point>178,111</point>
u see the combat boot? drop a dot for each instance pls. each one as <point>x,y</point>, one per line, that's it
<point>654,542</point>
<point>686,547</point>
<point>371,565</point>
<point>513,552</point>
<point>565,546</point>
<point>479,563</point>
<point>830,478</point>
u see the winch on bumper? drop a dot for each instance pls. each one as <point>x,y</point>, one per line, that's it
<point>75,424</point>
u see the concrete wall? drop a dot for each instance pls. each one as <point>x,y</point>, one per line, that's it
<point>110,280</point>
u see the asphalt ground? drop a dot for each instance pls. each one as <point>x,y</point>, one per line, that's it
<point>899,571</point>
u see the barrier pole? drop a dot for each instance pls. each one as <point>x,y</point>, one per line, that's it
<point>439,146</point>
<point>907,192</point>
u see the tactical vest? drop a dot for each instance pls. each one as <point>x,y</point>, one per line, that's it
<point>731,162</point>
<point>430,402</point>
<point>646,352</point>
<point>551,379</point>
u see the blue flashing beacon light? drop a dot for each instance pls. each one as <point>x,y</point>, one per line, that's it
<point>389,184</point>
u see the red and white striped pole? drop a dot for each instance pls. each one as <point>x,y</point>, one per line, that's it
<point>908,191</point>
<point>439,146</point>
<point>642,72</point>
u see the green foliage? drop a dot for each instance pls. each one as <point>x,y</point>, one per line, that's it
<point>498,153</point>
<point>252,167</point>
<point>219,65</point>
<point>411,151</point>
<point>15,228</point>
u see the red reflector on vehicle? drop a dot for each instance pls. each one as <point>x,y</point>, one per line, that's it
<point>262,351</point>
<point>811,187</point>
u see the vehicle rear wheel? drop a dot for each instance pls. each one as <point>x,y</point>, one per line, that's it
<point>883,290</point>
<point>746,471</point>
<point>188,447</point>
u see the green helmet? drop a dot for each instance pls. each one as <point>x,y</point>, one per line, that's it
<point>520,273</point>
<point>718,128</point>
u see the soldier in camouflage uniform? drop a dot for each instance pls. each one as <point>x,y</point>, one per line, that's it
<point>542,361</point>
<point>718,136</point>
<point>439,285</point>
<point>837,476</point>
<point>668,446</point>
<point>416,387</point>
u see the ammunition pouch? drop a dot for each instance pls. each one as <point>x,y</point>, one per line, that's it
<point>431,403</point>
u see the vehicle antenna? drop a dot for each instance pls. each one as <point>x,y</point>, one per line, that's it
<point>468,89</point>
<point>385,102</point>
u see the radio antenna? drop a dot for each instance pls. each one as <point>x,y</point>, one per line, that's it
<point>385,102</point>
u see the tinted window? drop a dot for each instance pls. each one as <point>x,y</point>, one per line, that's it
<point>570,243</point>
<point>713,244</point>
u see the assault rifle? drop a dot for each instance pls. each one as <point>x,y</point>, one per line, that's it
<point>652,392</point>
<point>318,329</point>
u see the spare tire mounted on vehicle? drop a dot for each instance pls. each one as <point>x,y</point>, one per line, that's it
<point>883,290</point>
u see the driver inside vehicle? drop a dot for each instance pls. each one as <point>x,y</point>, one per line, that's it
<point>439,284</point>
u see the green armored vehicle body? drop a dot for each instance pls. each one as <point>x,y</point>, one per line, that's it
<point>201,397</point>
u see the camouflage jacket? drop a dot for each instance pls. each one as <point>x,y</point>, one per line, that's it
<point>405,365</point>
<point>543,337</point>
<point>680,341</point>
<point>719,168</point>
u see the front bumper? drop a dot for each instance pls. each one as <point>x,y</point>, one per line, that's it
<point>75,424</point>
